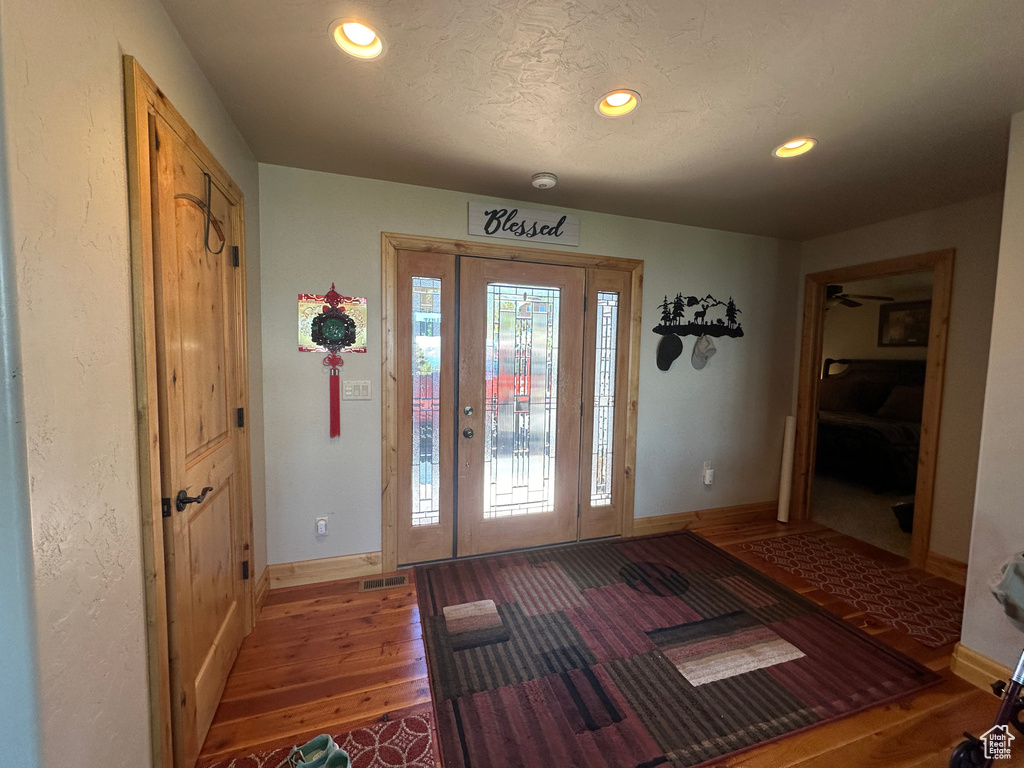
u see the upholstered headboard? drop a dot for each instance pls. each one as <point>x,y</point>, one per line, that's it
<point>891,372</point>
<point>891,389</point>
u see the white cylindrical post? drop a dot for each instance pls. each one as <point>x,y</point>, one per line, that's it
<point>786,478</point>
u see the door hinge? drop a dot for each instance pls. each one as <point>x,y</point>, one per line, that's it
<point>234,255</point>
<point>584,303</point>
<point>578,513</point>
<point>245,570</point>
<point>241,417</point>
<point>156,139</point>
<point>165,507</point>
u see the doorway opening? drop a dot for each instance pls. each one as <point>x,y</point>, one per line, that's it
<point>872,367</point>
<point>510,379</point>
<point>870,400</point>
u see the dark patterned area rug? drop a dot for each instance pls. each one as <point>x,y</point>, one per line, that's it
<point>628,654</point>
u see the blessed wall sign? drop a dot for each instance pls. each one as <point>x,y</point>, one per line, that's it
<point>512,223</point>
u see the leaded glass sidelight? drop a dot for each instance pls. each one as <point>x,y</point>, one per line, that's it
<point>426,400</point>
<point>604,399</point>
<point>521,400</point>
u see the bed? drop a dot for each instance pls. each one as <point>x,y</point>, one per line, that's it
<point>869,422</point>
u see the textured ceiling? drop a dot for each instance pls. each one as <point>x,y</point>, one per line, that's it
<point>910,100</point>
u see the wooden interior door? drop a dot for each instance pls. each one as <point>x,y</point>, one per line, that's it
<point>519,404</point>
<point>200,333</point>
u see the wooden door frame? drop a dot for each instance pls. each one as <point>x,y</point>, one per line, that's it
<point>940,263</point>
<point>391,244</point>
<point>142,99</point>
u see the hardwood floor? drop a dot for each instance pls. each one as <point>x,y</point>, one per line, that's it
<point>322,658</point>
<point>328,658</point>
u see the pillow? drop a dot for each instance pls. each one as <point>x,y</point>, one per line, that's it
<point>904,403</point>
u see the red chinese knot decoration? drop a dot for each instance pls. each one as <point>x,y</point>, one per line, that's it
<point>333,330</point>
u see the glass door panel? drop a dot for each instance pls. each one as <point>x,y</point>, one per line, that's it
<point>425,357</point>
<point>605,396</point>
<point>521,401</point>
<point>426,400</point>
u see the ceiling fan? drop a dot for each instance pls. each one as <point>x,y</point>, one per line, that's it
<point>834,295</point>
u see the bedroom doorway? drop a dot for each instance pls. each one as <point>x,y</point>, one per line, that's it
<point>872,366</point>
<point>870,400</point>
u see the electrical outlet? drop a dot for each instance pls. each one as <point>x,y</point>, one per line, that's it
<point>708,475</point>
<point>356,390</point>
<point>321,526</point>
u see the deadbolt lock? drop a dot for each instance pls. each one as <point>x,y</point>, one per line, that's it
<point>468,410</point>
<point>467,432</point>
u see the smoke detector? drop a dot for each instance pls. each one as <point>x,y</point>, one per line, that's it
<point>544,180</point>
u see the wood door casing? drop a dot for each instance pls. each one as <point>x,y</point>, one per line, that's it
<point>941,263</point>
<point>419,543</point>
<point>197,317</point>
<point>606,519</point>
<point>476,535</point>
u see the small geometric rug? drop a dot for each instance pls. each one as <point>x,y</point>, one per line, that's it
<point>902,600</point>
<point>403,743</point>
<point>661,651</point>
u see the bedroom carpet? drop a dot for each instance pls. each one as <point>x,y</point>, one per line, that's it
<point>860,513</point>
<point>900,599</point>
<point>633,654</point>
<point>403,743</point>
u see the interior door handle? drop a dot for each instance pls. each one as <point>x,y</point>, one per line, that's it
<point>183,499</point>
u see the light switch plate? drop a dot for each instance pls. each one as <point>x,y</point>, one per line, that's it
<point>356,390</point>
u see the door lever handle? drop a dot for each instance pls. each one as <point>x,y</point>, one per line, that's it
<point>183,499</point>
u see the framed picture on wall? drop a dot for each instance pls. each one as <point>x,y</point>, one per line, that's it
<point>904,323</point>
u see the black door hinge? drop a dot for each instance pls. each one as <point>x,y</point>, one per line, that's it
<point>241,417</point>
<point>234,255</point>
<point>156,139</point>
<point>165,507</point>
<point>245,570</point>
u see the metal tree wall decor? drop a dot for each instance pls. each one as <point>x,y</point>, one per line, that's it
<point>334,330</point>
<point>693,316</point>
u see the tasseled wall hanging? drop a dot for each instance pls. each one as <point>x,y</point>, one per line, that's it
<point>333,330</point>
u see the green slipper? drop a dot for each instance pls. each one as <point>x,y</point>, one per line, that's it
<point>338,759</point>
<point>313,754</point>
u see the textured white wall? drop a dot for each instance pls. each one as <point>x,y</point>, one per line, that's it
<point>66,160</point>
<point>973,229</point>
<point>999,506</point>
<point>19,705</point>
<point>318,228</point>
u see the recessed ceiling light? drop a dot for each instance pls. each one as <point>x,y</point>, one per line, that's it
<point>795,147</point>
<point>618,103</point>
<point>357,39</point>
